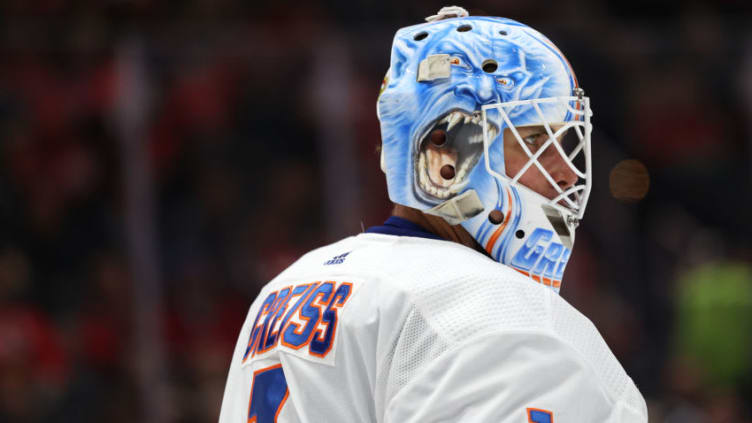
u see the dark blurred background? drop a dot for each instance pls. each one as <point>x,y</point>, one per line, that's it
<point>161,161</point>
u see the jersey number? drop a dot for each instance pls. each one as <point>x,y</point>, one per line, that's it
<point>268,395</point>
<point>536,415</point>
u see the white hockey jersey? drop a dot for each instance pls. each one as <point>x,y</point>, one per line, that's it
<point>382,328</point>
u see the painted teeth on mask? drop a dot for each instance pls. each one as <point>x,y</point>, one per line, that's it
<point>473,136</point>
<point>455,188</point>
<point>492,133</point>
<point>454,119</point>
<point>425,181</point>
<point>422,175</point>
<point>444,192</point>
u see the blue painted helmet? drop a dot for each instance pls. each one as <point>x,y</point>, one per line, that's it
<point>460,93</point>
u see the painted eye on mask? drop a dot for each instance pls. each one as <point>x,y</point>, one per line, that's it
<point>506,82</point>
<point>458,61</point>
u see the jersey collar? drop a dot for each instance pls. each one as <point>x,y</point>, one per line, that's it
<point>402,227</point>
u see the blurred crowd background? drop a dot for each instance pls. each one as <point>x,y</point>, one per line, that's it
<point>161,161</point>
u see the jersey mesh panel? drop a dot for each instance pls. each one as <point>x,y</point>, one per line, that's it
<point>459,300</point>
<point>416,346</point>
<point>460,304</point>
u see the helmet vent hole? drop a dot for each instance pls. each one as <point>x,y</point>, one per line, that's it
<point>502,32</point>
<point>520,234</point>
<point>496,217</point>
<point>420,36</point>
<point>490,66</point>
<point>464,28</point>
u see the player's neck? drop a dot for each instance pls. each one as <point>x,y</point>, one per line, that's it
<point>437,225</point>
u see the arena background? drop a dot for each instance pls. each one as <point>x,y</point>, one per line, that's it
<point>160,161</point>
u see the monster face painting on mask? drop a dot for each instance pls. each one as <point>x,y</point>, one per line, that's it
<point>453,87</point>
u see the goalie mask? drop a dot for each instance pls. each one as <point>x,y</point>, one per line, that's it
<point>458,89</point>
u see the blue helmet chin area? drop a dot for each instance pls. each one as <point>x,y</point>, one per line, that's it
<point>435,131</point>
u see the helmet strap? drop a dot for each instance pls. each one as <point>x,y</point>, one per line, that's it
<point>458,209</point>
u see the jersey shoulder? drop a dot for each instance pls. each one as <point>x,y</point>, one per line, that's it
<point>459,295</point>
<point>398,259</point>
<point>459,290</point>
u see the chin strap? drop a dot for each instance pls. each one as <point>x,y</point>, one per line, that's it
<point>458,209</point>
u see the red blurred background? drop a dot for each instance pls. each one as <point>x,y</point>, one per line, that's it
<point>162,161</point>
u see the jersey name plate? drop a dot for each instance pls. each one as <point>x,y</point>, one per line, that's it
<point>299,319</point>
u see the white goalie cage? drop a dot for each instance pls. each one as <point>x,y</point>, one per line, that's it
<point>573,148</point>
